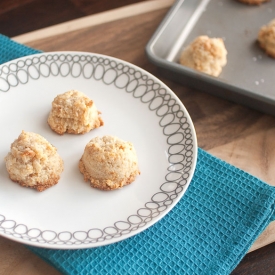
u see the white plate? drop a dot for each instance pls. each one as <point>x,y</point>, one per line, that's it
<point>135,107</point>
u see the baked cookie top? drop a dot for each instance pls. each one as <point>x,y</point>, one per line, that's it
<point>109,163</point>
<point>73,112</point>
<point>33,162</point>
<point>206,55</point>
<point>266,38</point>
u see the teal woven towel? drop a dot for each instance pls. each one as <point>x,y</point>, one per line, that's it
<point>10,50</point>
<point>208,232</point>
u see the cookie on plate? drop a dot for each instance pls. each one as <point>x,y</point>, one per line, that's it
<point>204,54</point>
<point>109,163</point>
<point>33,162</point>
<point>253,2</point>
<point>266,38</point>
<point>73,112</point>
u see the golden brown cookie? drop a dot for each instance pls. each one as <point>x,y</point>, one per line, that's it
<point>109,163</point>
<point>33,162</point>
<point>74,113</point>
<point>204,54</point>
<point>266,38</point>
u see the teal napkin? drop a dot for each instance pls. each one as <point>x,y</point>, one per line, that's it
<point>208,232</point>
<point>10,50</point>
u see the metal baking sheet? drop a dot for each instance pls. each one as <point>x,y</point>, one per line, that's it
<point>249,75</point>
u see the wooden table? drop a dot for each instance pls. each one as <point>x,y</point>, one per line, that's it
<point>234,133</point>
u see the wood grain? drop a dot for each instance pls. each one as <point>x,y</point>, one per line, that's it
<point>256,263</point>
<point>237,134</point>
<point>92,20</point>
<point>15,259</point>
<point>22,16</point>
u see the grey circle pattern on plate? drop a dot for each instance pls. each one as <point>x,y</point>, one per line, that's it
<point>146,90</point>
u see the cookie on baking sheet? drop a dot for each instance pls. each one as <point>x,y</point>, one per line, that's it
<point>266,38</point>
<point>33,162</point>
<point>73,112</point>
<point>109,163</point>
<point>204,54</point>
<point>253,2</point>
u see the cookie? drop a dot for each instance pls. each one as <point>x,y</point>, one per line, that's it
<point>109,163</point>
<point>204,54</point>
<point>33,162</point>
<point>266,38</point>
<point>73,112</point>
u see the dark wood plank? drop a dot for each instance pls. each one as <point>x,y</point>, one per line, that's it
<point>258,262</point>
<point>6,6</point>
<point>95,6</point>
<point>18,17</point>
<point>36,15</point>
